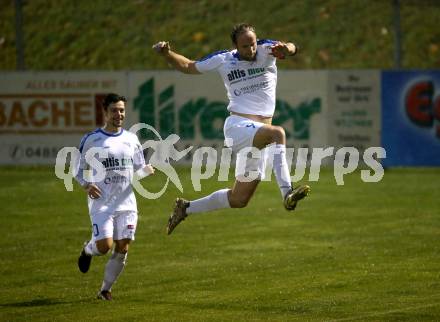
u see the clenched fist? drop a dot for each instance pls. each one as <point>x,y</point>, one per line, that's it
<point>162,47</point>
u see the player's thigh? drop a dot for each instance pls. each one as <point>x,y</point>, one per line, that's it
<point>239,132</point>
<point>102,231</point>
<point>125,223</point>
<point>102,225</point>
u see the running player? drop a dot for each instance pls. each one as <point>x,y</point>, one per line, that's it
<point>111,201</point>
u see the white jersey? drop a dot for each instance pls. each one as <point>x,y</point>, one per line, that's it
<point>122,156</point>
<point>251,85</point>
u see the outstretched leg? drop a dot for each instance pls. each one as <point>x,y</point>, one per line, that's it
<point>237,197</point>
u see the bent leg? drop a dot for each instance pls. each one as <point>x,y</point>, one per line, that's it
<point>104,245</point>
<point>269,134</point>
<point>93,248</point>
<point>102,237</point>
<point>241,193</point>
<point>98,247</point>
<point>100,243</point>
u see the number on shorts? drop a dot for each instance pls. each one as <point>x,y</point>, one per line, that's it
<point>95,230</point>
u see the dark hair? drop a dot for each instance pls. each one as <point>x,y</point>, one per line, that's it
<point>239,29</point>
<point>112,98</point>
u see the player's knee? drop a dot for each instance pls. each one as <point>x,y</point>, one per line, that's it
<point>122,247</point>
<point>103,248</point>
<point>278,134</point>
<point>275,134</point>
<point>104,245</point>
<point>240,202</point>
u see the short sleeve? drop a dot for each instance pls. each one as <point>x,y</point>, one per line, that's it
<point>210,62</point>
<point>81,164</point>
<point>266,45</point>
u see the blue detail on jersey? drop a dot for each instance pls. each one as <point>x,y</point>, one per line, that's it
<point>266,41</point>
<point>219,52</point>
<point>83,140</point>
<point>111,134</point>
<point>259,42</point>
<point>85,137</point>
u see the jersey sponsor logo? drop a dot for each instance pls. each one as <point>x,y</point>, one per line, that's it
<point>256,71</point>
<point>115,162</point>
<point>115,180</point>
<point>251,88</point>
<point>236,74</point>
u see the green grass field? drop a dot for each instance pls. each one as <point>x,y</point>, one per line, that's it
<point>359,252</point>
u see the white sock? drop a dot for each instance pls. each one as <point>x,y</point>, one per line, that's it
<point>216,200</point>
<point>91,249</point>
<point>113,269</point>
<point>281,169</point>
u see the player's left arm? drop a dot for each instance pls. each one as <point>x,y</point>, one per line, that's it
<point>142,170</point>
<point>283,49</point>
<point>147,170</point>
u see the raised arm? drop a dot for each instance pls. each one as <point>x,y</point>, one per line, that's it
<point>177,61</point>
<point>283,49</point>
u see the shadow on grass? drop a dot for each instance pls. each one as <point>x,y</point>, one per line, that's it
<point>38,302</point>
<point>288,308</point>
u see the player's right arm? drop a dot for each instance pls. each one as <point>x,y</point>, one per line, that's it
<point>92,189</point>
<point>177,61</point>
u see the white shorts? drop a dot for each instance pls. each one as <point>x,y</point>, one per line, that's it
<point>117,225</point>
<point>240,132</point>
<point>239,136</point>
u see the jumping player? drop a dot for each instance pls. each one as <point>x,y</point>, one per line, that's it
<point>249,73</point>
